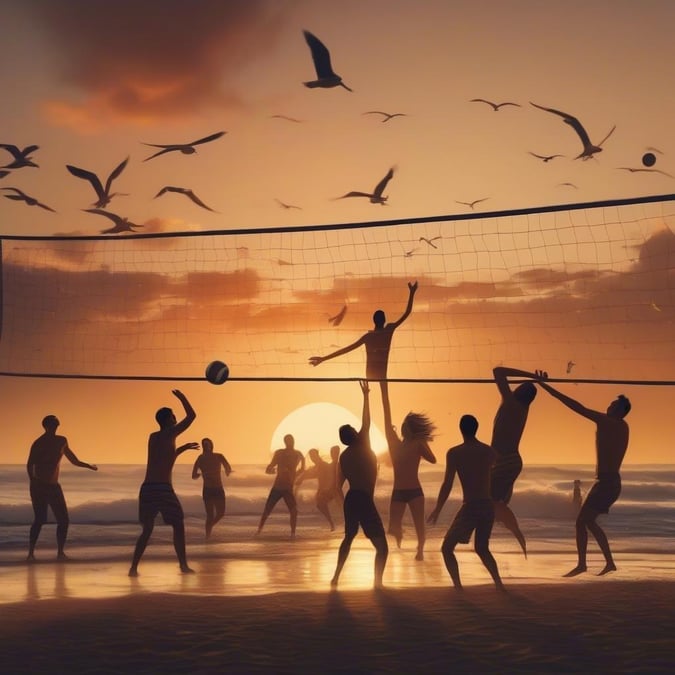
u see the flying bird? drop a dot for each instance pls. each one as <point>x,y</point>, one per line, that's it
<point>473,203</point>
<point>386,116</point>
<point>20,196</point>
<point>325,77</point>
<point>570,365</point>
<point>495,106</point>
<point>337,319</point>
<point>572,185</point>
<point>376,197</point>
<point>589,149</point>
<point>121,224</point>
<point>409,254</point>
<point>544,158</point>
<point>185,148</point>
<point>430,241</point>
<point>103,193</point>
<point>287,118</point>
<point>639,169</point>
<point>184,191</point>
<point>21,157</point>
<point>286,206</point>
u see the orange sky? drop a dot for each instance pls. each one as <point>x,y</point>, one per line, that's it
<point>596,287</point>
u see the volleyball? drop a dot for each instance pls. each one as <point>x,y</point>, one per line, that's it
<point>649,159</point>
<point>217,372</point>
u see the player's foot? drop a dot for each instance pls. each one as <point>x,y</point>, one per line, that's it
<point>420,555</point>
<point>334,582</point>
<point>186,570</point>
<point>62,557</point>
<point>133,572</point>
<point>609,567</point>
<point>579,569</point>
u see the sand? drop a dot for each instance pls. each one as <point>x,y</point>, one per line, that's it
<point>580,625</point>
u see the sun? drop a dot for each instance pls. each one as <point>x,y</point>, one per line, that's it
<point>316,425</point>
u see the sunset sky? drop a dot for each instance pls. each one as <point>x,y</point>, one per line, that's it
<point>91,82</point>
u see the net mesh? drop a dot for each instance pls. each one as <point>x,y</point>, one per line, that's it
<point>584,291</point>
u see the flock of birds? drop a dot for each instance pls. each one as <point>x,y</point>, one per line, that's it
<point>325,78</point>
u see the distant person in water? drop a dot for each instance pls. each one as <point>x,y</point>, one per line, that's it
<point>576,496</point>
<point>327,489</point>
<point>43,466</point>
<point>358,465</point>
<point>611,443</point>
<point>208,465</point>
<point>157,494</point>
<point>417,431</point>
<point>377,343</point>
<point>472,461</point>
<point>507,430</point>
<point>285,463</point>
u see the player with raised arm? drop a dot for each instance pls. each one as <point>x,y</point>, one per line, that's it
<point>358,465</point>
<point>157,494</point>
<point>327,489</point>
<point>611,443</point>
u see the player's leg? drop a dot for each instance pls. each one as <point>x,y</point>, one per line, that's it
<point>39,503</point>
<point>60,511</point>
<point>219,505</point>
<point>395,528</point>
<point>273,497</point>
<point>351,518</point>
<point>210,508</point>
<point>381,555</point>
<point>148,524</point>
<point>322,505</point>
<point>482,548</point>
<point>289,499</point>
<point>585,516</point>
<point>416,506</point>
<point>603,543</point>
<point>448,550</point>
<point>505,516</point>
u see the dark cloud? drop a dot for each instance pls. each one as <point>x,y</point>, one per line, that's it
<point>154,59</point>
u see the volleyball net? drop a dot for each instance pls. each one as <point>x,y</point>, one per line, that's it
<point>585,291</point>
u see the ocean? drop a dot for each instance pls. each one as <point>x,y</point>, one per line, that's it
<point>103,530</point>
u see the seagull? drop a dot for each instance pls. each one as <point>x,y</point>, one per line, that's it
<point>287,118</point>
<point>589,149</point>
<point>386,116</point>
<point>324,71</point>
<point>376,197</point>
<point>21,157</point>
<point>184,191</point>
<point>572,185</point>
<point>473,203</point>
<point>185,148</point>
<point>570,365</point>
<point>23,197</point>
<point>495,106</point>
<point>284,205</point>
<point>104,194</point>
<point>121,224</point>
<point>632,170</point>
<point>337,319</point>
<point>430,241</point>
<point>544,158</point>
<point>409,254</point>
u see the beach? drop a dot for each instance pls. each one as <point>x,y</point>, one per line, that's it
<point>594,625</point>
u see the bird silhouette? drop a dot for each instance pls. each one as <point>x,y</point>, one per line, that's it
<point>4,173</point>
<point>473,203</point>
<point>409,254</point>
<point>325,76</point>
<point>21,157</point>
<point>121,224</point>
<point>544,158</point>
<point>386,116</point>
<point>337,319</point>
<point>641,170</point>
<point>494,106</point>
<point>286,206</point>
<point>185,148</point>
<point>570,365</point>
<point>184,191</point>
<point>589,149</point>
<point>430,241</point>
<point>287,118</point>
<point>376,197</point>
<point>20,196</point>
<point>103,193</point>
<point>572,185</point>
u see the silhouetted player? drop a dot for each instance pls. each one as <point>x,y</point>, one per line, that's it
<point>208,465</point>
<point>358,465</point>
<point>472,461</point>
<point>611,443</point>
<point>327,488</point>
<point>43,465</point>
<point>507,430</point>
<point>377,343</point>
<point>157,494</point>
<point>285,463</point>
<point>417,430</point>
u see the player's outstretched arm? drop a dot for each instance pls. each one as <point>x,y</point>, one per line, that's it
<point>501,375</point>
<point>571,403</point>
<point>186,446</point>
<point>316,360</point>
<point>74,460</point>
<point>412,289</point>
<point>190,414</point>
<point>365,417</point>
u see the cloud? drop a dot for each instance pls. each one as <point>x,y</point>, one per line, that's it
<point>138,62</point>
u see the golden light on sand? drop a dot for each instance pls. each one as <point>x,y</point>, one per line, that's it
<point>316,425</point>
